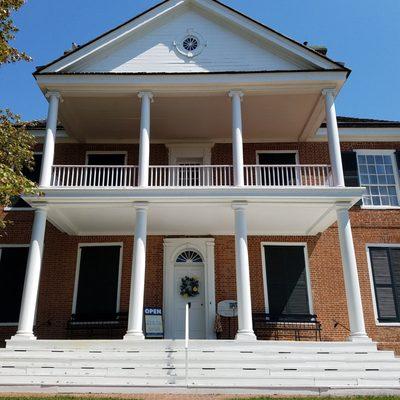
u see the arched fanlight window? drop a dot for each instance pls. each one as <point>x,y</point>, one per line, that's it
<point>189,256</point>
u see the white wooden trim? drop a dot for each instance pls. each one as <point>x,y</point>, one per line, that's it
<point>172,248</point>
<point>190,150</point>
<point>307,267</point>
<point>124,152</point>
<point>78,264</point>
<point>371,282</point>
<point>5,246</point>
<point>375,151</point>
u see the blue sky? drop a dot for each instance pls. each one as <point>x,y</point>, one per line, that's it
<point>363,33</point>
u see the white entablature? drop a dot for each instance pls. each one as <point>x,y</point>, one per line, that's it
<point>218,39</point>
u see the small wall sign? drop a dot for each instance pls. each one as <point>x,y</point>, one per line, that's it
<point>153,323</point>
<point>227,308</point>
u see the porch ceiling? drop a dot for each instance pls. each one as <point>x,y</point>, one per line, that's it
<point>266,117</point>
<point>269,212</point>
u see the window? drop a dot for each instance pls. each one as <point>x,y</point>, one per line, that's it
<point>106,159</point>
<point>286,280</point>
<point>12,275</point>
<point>97,285</point>
<point>377,172</point>
<point>106,176</point>
<point>278,176</point>
<point>33,175</point>
<point>385,266</point>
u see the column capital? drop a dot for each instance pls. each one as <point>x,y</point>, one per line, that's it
<point>143,205</point>
<point>147,94</point>
<point>328,91</point>
<point>239,205</point>
<point>342,206</point>
<point>234,93</point>
<point>53,93</point>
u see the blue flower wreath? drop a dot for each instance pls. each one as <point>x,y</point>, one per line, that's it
<point>189,287</point>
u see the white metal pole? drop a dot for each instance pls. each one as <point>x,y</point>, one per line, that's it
<point>50,140</point>
<point>32,278</point>
<point>144,146</point>
<point>135,320</point>
<point>333,138</point>
<point>352,284</point>
<point>237,137</point>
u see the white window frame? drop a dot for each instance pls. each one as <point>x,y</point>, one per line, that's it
<point>8,209</point>
<point>78,265</point>
<point>89,152</point>
<point>307,268</point>
<point>372,283</point>
<point>7,246</point>
<point>383,152</point>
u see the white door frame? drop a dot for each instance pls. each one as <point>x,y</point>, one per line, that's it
<point>172,248</point>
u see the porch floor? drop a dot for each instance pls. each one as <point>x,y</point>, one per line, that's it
<point>217,366</point>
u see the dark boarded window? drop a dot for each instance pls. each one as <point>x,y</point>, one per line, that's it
<point>98,282</point>
<point>385,263</point>
<point>278,176</point>
<point>33,175</point>
<point>286,280</point>
<point>12,275</point>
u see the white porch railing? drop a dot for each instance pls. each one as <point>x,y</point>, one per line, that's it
<point>192,176</point>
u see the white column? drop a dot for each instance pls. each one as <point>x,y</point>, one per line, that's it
<point>50,140</point>
<point>144,147</point>
<point>135,321</point>
<point>237,137</point>
<point>32,278</point>
<point>245,320</point>
<point>352,285</point>
<point>333,138</point>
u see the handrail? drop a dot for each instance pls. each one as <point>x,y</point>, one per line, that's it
<point>191,176</point>
<point>187,334</point>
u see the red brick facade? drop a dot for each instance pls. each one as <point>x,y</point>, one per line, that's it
<point>327,285</point>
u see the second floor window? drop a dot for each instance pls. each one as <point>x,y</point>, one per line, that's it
<point>378,174</point>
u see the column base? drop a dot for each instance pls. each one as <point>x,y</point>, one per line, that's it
<point>134,336</point>
<point>23,337</point>
<point>359,338</point>
<point>245,336</point>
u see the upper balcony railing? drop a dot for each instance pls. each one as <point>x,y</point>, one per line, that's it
<point>191,176</point>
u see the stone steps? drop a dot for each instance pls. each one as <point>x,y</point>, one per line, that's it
<point>223,364</point>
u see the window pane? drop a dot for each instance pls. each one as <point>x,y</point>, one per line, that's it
<point>378,177</point>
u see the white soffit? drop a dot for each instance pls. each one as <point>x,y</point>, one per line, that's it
<point>232,42</point>
<point>361,135</point>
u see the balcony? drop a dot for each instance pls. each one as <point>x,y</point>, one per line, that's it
<point>190,177</point>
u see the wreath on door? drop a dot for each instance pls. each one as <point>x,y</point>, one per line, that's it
<point>189,287</point>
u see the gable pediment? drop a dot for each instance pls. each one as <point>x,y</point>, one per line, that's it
<point>153,43</point>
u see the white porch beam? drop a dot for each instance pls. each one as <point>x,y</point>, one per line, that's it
<point>237,137</point>
<point>135,320</point>
<point>352,284</point>
<point>32,278</point>
<point>245,319</point>
<point>144,146</point>
<point>50,139</point>
<point>333,137</point>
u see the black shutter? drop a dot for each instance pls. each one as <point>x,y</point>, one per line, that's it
<point>398,159</point>
<point>98,282</point>
<point>350,170</point>
<point>12,275</point>
<point>385,264</point>
<point>286,280</point>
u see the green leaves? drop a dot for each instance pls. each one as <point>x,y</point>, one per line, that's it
<point>16,155</point>
<point>8,53</point>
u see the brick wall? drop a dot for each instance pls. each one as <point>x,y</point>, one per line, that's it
<point>60,254</point>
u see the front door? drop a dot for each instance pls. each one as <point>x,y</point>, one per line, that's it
<point>189,287</point>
